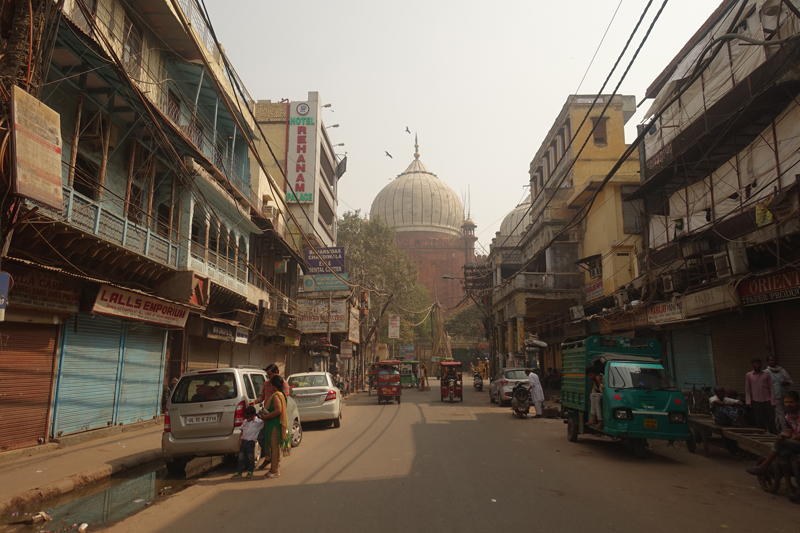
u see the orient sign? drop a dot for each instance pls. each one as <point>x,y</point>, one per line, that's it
<point>126,304</point>
<point>772,288</point>
<point>301,160</point>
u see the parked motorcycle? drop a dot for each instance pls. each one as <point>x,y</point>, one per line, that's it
<point>478,382</point>
<point>521,400</point>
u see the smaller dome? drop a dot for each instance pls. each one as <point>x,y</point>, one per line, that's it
<point>469,222</point>
<point>512,224</point>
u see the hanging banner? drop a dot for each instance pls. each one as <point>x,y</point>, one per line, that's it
<point>35,149</point>
<point>394,326</point>
<point>314,316</point>
<point>354,327</point>
<point>43,290</point>
<point>126,304</point>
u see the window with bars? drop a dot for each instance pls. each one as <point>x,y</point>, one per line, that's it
<point>600,134</point>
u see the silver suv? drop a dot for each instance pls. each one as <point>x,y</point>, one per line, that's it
<point>205,411</point>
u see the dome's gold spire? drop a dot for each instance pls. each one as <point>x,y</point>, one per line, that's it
<point>416,147</point>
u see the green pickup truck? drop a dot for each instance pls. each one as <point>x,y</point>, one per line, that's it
<point>639,402</point>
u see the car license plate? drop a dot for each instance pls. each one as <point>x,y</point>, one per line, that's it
<point>650,423</point>
<point>304,399</point>
<point>205,419</point>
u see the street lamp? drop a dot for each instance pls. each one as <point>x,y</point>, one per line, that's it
<point>340,144</point>
<point>448,276</point>
<point>334,126</point>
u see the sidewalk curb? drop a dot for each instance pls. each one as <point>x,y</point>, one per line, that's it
<point>76,481</point>
<point>60,443</point>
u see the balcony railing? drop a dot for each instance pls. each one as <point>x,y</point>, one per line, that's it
<point>152,77</point>
<point>90,217</point>
<point>542,282</point>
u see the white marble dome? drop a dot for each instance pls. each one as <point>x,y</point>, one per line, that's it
<point>417,200</point>
<point>511,224</point>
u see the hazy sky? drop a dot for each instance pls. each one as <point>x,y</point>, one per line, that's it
<point>480,82</point>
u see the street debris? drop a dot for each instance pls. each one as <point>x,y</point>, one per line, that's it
<point>41,516</point>
<point>138,501</point>
<point>83,527</point>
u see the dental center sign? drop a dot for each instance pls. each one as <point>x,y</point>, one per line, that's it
<point>301,161</point>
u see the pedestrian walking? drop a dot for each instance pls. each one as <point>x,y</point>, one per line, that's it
<point>760,396</point>
<point>276,428</point>
<point>781,381</point>
<point>537,393</point>
<point>251,427</point>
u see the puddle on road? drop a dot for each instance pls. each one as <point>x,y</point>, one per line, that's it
<point>106,502</point>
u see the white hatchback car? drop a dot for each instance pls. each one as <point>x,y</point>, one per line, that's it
<point>503,383</point>
<point>317,397</point>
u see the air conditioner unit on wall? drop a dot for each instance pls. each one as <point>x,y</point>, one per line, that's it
<point>693,249</point>
<point>596,272</point>
<point>283,303</point>
<point>577,312</point>
<point>737,257</point>
<point>722,265</point>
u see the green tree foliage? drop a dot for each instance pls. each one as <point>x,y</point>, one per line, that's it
<point>376,263</point>
<point>466,325</point>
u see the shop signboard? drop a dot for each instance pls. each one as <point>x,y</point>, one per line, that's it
<point>325,282</point>
<point>242,335</point>
<point>594,290</point>
<point>314,316</point>
<point>301,168</point>
<point>394,326</point>
<point>220,331</point>
<point>784,285</point>
<point>346,351</point>
<point>325,260</point>
<point>710,300</point>
<point>664,312</point>
<point>5,280</point>
<point>43,290</point>
<point>130,305</point>
<point>408,353</point>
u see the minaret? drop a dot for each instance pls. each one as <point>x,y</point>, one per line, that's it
<point>468,230</point>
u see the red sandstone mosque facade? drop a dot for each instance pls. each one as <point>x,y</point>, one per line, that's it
<point>430,227</point>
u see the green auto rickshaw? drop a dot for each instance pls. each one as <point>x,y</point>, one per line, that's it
<point>639,402</point>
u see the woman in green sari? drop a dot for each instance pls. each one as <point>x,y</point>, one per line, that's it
<point>277,442</point>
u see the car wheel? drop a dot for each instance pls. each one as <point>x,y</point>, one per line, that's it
<point>337,422</point>
<point>297,433</point>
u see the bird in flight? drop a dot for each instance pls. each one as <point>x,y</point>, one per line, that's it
<point>387,153</point>
<point>408,130</point>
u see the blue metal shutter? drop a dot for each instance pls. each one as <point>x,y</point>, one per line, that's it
<point>87,374</point>
<point>691,357</point>
<point>142,367</point>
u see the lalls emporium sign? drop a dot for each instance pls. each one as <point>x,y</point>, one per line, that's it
<point>301,161</point>
<point>126,304</point>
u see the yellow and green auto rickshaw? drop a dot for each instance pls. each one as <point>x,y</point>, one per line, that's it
<point>409,373</point>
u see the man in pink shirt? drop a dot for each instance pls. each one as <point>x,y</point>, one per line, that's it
<point>760,395</point>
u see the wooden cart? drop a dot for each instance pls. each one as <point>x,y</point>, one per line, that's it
<point>756,441</point>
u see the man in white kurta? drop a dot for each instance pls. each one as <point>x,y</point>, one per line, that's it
<point>537,393</point>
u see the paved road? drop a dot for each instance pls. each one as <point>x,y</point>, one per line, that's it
<point>431,466</point>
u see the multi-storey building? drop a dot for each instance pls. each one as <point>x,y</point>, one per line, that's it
<point>720,195</point>
<point>554,251</point>
<point>148,251</point>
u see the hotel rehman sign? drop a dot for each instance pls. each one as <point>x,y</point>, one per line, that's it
<point>301,157</point>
